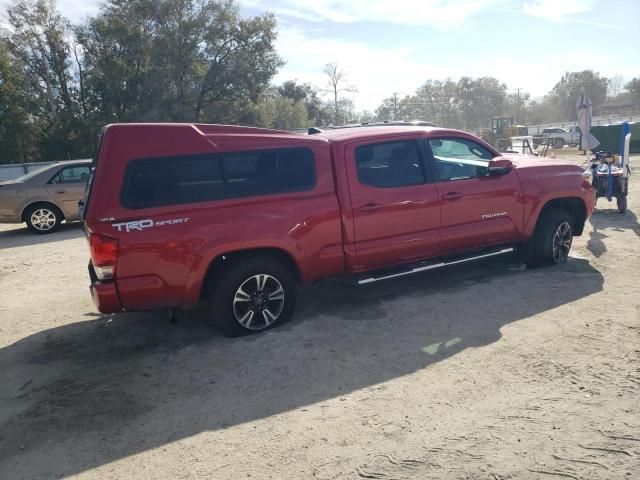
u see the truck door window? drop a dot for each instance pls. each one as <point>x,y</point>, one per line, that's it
<point>389,165</point>
<point>459,158</point>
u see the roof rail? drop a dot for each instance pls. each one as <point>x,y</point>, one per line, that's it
<point>213,128</point>
<point>386,123</point>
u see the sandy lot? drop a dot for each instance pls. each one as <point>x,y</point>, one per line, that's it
<point>483,371</point>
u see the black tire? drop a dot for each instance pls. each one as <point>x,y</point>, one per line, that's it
<point>622,204</point>
<point>43,218</point>
<point>551,242</point>
<point>558,143</point>
<point>228,306</point>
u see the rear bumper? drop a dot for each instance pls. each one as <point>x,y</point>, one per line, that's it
<point>104,295</point>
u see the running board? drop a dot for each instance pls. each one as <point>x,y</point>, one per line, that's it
<point>423,266</point>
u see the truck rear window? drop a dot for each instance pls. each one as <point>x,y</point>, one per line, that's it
<point>153,182</point>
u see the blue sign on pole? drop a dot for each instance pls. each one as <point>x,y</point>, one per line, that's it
<point>625,130</point>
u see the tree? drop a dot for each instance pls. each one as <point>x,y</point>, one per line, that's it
<point>366,116</point>
<point>388,109</point>
<point>337,79</point>
<point>122,75</point>
<point>318,113</point>
<point>239,59</point>
<point>614,86</point>
<point>295,91</point>
<point>467,103</point>
<point>482,98</point>
<point>545,110</point>
<point>347,110</point>
<point>278,111</point>
<point>16,131</point>
<point>633,87</point>
<point>566,91</point>
<point>136,60</point>
<point>515,106</point>
<point>177,60</point>
<point>39,42</point>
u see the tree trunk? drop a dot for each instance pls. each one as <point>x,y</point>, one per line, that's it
<point>81,78</point>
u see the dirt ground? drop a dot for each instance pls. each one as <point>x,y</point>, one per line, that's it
<point>483,371</point>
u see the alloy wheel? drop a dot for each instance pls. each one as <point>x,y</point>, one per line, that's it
<point>43,219</point>
<point>562,242</point>
<point>258,302</point>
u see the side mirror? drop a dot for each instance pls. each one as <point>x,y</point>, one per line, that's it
<point>499,166</point>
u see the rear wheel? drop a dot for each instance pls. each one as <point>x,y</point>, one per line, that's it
<point>253,295</point>
<point>551,241</point>
<point>43,218</point>
<point>622,204</point>
<point>558,142</point>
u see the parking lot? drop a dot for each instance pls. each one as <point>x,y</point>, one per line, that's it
<point>482,371</point>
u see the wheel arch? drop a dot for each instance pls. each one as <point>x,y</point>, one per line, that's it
<point>575,206</point>
<point>23,215</point>
<point>224,260</point>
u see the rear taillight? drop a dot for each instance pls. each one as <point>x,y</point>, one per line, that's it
<point>104,253</point>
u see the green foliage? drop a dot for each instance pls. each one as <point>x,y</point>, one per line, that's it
<point>16,131</point>
<point>176,60</point>
<point>633,88</point>
<point>136,60</point>
<point>281,112</point>
<point>39,51</point>
<point>467,103</point>
<point>201,61</point>
<point>319,113</point>
<point>566,91</point>
<point>545,110</point>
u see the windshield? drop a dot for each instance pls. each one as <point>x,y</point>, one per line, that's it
<point>30,175</point>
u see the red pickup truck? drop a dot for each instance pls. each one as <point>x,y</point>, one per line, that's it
<point>180,213</point>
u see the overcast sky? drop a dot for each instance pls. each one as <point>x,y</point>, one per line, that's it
<point>392,46</point>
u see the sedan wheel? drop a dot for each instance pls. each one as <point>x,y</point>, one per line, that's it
<point>43,218</point>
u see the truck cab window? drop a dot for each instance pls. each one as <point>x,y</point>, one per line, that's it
<point>389,165</point>
<point>459,158</point>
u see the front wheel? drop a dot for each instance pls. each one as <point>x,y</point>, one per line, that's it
<point>253,295</point>
<point>552,239</point>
